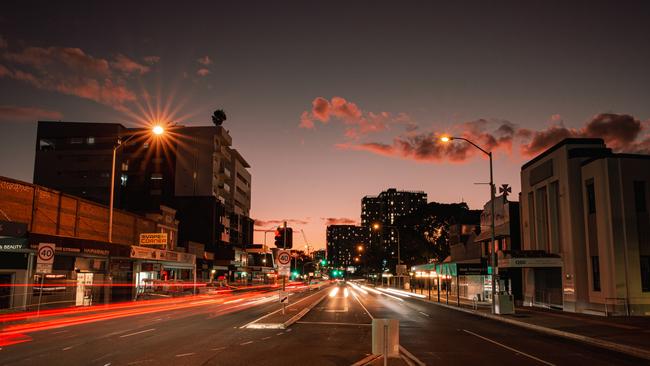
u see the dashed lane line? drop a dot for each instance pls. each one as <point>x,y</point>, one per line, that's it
<point>136,333</point>
<point>185,354</point>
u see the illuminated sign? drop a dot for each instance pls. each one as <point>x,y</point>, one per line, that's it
<point>153,239</point>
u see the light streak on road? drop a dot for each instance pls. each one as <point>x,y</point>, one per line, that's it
<point>401,293</point>
<point>372,290</point>
<point>334,291</point>
<point>358,288</point>
<point>345,292</point>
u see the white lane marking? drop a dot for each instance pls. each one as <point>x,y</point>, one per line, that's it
<point>281,333</point>
<point>425,314</point>
<point>218,348</point>
<point>185,354</point>
<point>509,348</point>
<point>269,314</point>
<point>364,308</point>
<point>335,323</point>
<point>265,338</point>
<point>288,330</point>
<point>61,331</point>
<point>245,343</point>
<point>67,348</point>
<point>108,364</point>
<point>140,332</point>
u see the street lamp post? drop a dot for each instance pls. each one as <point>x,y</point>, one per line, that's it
<point>377,226</point>
<point>156,130</point>
<point>493,257</point>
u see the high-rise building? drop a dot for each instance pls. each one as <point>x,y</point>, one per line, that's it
<point>342,245</point>
<point>384,211</point>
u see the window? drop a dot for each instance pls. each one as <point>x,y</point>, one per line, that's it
<point>595,273</point>
<point>76,140</point>
<point>90,140</point>
<point>645,273</point>
<point>123,180</point>
<point>591,197</point>
<point>639,196</point>
<point>156,176</point>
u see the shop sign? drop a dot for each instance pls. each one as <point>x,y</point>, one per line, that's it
<point>13,244</point>
<point>161,255</point>
<point>471,269</point>
<point>153,239</point>
<point>530,262</point>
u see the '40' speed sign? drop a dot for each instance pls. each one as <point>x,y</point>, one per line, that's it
<point>284,257</point>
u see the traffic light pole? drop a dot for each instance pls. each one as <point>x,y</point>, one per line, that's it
<point>284,278</point>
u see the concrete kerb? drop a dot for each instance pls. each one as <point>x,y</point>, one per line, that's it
<point>256,325</point>
<point>612,346</point>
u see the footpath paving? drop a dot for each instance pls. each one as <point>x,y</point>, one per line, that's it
<point>629,335</point>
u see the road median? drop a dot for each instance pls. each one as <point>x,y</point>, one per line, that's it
<point>293,312</point>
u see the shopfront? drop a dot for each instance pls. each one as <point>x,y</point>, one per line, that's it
<point>157,271</point>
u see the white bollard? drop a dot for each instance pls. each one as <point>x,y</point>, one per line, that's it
<point>385,337</point>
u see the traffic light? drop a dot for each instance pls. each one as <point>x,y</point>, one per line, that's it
<point>280,234</point>
<point>323,262</point>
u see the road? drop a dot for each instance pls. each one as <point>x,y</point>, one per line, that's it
<point>208,331</point>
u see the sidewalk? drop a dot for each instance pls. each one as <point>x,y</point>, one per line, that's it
<point>630,335</point>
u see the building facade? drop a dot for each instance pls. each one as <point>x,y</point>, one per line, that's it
<point>343,243</point>
<point>587,206</point>
<point>193,170</point>
<point>380,215</point>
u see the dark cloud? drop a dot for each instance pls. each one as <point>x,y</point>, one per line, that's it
<point>620,132</point>
<point>270,223</point>
<point>338,221</point>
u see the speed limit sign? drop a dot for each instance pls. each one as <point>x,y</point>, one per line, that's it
<point>284,262</point>
<point>45,257</point>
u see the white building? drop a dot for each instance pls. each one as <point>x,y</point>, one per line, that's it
<point>589,206</point>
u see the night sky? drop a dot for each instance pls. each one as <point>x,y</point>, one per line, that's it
<point>331,101</point>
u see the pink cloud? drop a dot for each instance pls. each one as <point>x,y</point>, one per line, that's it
<point>358,123</point>
<point>71,71</point>
<point>16,113</point>
<point>128,66</point>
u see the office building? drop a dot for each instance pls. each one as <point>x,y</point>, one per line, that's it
<point>588,206</point>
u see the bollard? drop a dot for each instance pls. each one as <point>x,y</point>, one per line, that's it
<point>385,338</point>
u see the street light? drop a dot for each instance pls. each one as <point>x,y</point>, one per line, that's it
<point>156,130</point>
<point>493,258</point>
<point>376,226</point>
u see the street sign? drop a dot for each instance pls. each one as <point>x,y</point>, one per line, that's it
<point>284,297</point>
<point>45,257</point>
<point>284,262</point>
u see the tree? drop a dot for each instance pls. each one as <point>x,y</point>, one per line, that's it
<point>218,117</point>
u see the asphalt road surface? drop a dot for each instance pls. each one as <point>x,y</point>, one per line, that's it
<point>336,332</point>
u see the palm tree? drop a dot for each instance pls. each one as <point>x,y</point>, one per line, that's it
<point>218,117</point>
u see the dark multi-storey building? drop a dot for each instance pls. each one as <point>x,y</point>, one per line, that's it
<point>342,244</point>
<point>192,169</point>
<point>384,211</point>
